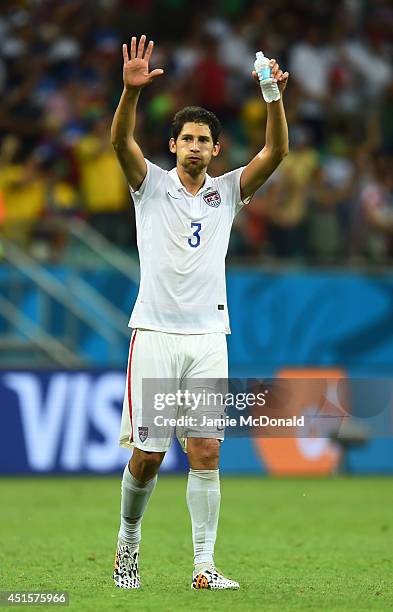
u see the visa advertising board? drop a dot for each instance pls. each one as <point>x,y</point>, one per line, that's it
<point>68,422</point>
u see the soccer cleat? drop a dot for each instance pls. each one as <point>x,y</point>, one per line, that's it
<point>212,579</point>
<point>126,571</point>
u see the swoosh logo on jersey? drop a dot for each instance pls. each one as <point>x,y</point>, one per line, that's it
<point>173,196</point>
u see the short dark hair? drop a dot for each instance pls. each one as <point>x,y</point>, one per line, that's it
<point>196,114</point>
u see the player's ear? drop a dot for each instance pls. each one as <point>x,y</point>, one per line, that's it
<point>216,149</point>
<point>172,145</point>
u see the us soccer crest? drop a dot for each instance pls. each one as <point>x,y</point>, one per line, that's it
<point>143,433</point>
<point>212,198</point>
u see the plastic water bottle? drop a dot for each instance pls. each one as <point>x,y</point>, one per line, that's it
<point>269,88</point>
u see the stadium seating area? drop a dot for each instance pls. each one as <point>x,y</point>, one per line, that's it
<point>60,79</point>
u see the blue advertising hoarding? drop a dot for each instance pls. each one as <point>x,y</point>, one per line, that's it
<point>68,422</point>
<point>65,422</point>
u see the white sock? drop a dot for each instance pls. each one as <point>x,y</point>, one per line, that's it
<point>203,500</point>
<point>134,498</point>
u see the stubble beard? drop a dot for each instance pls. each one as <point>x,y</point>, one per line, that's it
<point>194,169</point>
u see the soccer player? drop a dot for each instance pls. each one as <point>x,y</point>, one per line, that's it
<point>180,318</point>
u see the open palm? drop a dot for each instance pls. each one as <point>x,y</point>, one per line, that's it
<point>136,66</point>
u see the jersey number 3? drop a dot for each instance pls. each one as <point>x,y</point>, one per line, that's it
<point>195,240</point>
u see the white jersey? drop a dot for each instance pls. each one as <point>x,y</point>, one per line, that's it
<point>182,242</point>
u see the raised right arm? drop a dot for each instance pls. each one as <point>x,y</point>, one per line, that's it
<point>127,149</point>
<point>136,75</point>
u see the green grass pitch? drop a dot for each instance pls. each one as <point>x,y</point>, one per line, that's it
<point>304,544</point>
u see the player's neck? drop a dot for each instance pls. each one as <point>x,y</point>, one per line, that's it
<point>192,183</point>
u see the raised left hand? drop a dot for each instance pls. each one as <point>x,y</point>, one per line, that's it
<point>277,74</point>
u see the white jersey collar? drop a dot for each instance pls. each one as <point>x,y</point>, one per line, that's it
<point>179,185</point>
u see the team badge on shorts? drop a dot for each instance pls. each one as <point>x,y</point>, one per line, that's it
<point>143,433</point>
<point>212,198</point>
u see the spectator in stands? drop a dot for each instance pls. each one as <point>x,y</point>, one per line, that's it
<point>286,197</point>
<point>376,200</point>
<point>329,200</point>
<point>210,80</point>
<point>61,202</point>
<point>309,64</point>
<point>23,190</point>
<point>103,189</point>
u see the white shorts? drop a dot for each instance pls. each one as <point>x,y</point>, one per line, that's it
<point>156,356</point>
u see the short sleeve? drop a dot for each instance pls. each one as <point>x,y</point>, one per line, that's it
<point>153,178</point>
<point>231,181</point>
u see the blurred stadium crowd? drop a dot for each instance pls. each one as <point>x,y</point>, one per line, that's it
<point>331,201</point>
